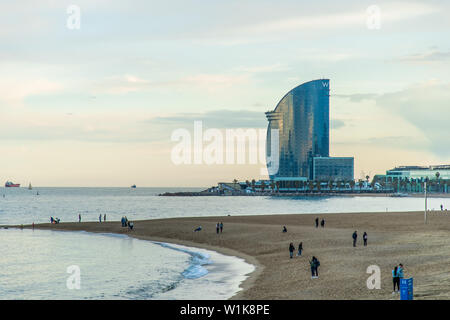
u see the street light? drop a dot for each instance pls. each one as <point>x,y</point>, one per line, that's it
<point>425,187</point>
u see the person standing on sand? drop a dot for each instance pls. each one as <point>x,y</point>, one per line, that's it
<point>300,249</point>
<point>354,236</point>
<point>322,223</point>
<point>104,217</point>
<point>100,218</point>
<point>291,250</point>
<point>395,279</point>
<point>79,217</point>
<point>314,263</point>
<point>317,222</point>
<point>217,227</point>
<point>365,238</point>
<point>221,227</point>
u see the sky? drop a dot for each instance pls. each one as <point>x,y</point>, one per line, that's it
<point>98,105</point>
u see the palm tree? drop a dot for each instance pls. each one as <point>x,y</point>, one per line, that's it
<point>352,184</point>
<point>310,185</point>
<point>438,182</point>
<point>318,186</point>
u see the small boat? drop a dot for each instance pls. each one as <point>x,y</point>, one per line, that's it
<point>133,186</point>
<point>9,184</point>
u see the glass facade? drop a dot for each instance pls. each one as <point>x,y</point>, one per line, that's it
<point>333,169</point>
<point>303,120</point>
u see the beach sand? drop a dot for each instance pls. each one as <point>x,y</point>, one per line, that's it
<point>395,237</point>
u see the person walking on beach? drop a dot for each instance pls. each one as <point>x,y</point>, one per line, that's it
<point>314,263</point>
<point>365,238</point>
<point>221,227</point>
<point>104,217</point>
<point>291,250</point>
<point>284,229</point>
<point>79,217</point>
<point>317,222</point>
<point>100,218</point>
<point>217,227</point>
<point>354,236</point>
<point>300,249</point>
<point>395,279</point>
<point>322,223</point>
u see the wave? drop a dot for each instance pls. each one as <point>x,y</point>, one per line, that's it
<point>196,261</point>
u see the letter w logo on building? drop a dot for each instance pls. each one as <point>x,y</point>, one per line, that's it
<point>325,84</point>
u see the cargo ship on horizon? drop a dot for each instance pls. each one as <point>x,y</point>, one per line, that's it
<point>10,184</point>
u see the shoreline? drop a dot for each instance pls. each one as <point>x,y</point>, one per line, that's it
<point>305,194</point>
<point>394,237</point>
<point>244,285</point>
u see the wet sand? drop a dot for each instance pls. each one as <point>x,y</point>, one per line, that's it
<point>395,237</point>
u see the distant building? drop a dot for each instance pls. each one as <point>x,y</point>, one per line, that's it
<point>420,172</point>
<point>333,168</point>
<point>303,119</point>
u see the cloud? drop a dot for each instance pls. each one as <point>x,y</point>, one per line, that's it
<point>131,83</point>
<point>391,12</point>
<point>427,107</point>
<point>277,67</point>
<point>214,119</point>
<point>427,57</point>
<point>337,124</point>
<point>357,97</point>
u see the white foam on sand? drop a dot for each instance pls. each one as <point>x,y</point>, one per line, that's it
<point>210,276</point>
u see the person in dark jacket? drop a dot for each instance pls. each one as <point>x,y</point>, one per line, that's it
<point>322,223</point>
<point>314,263</point>
<point>365,238</point>
<point>395,279</point>
<point>300,249</point>
<point>317,222</point>
<point>354,236</point>
<point>291,250</point>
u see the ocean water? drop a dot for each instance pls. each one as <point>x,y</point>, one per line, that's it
<point>33,264</point>
<point>23,206</point>
<point>38,264</point>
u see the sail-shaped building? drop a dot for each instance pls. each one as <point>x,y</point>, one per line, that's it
<point>302,118</point>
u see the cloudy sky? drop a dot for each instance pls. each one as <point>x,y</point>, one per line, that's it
<point>96,106</point>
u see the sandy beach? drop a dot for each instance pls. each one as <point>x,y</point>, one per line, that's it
<point>395,237</point>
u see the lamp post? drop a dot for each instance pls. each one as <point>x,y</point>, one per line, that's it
<point>425,190</point>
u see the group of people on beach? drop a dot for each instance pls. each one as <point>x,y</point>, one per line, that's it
<point>126,223</point>
<point>219,227</point>
<point>54,220</point>
<point>322,223</point>
<point>99,217</point>
<point>314,262</point>
<point>292,249</point>
<point>355,237</point>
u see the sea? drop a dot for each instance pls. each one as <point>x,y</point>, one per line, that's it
<point>41,264</point>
